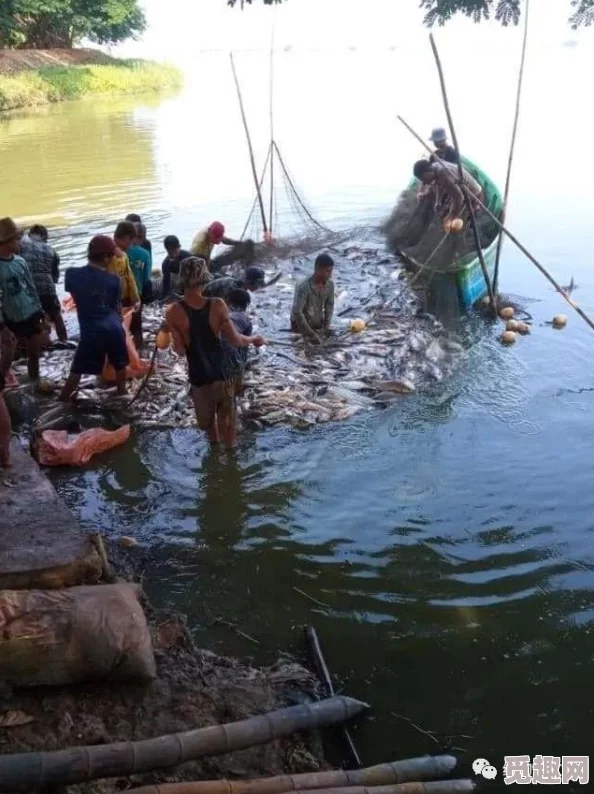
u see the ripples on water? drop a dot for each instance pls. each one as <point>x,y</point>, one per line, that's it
<point>449,535</point>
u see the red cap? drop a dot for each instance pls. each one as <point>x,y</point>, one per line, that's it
<point>101,245</point>
<point>216,231</point>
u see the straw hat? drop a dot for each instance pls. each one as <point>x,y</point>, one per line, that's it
<point>194,272</point>
<point>8,230</point>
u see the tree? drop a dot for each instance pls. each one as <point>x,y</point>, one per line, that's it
<point>438,12</point>
<point>63,23</point>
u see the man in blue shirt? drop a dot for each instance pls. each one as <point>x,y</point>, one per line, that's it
<point>140,264</point>
<point>97,296</point>
<point>20,302</point>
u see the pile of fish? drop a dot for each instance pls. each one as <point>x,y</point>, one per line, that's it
<point>290,382</point>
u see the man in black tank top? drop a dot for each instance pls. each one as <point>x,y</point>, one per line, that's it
<point>198,326</point>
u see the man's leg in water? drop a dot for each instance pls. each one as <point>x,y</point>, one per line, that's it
<point>70,386</point>
<point>120,377</point>
<point>5,433</point>
<point>34,345</point>
<point>226,413</point>
<point>205,407</point>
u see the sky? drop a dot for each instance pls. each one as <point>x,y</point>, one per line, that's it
<point>178,29</point>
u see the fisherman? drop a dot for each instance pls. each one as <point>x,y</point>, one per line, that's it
<point>44,264</point>
<point>7,348</point>
<point>238,301</point>
<point>313,304</point>
<point>253,280</point>
<point>96,293</point>
<point>443,150</point>
<point>170,265</point>
<point>199,325</point>
<point>21,307</point>
<point>440,183</point>
<point>124,237</point>
<point>140,265</point>
<point>205,241</point>
<point>144,242</point>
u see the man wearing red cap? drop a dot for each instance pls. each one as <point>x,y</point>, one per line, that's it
<point>206,239</point>
<point>97,295</point>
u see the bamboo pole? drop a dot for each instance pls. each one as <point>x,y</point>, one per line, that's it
<point>249,143</point>
<point>324,676</point>
<point>411,769</point>
<point>475,234</point>
<point>517,243</point>
<point>260,183</point>
<point>272,123</point>
<point>25,771</point>
<point>512,146</point>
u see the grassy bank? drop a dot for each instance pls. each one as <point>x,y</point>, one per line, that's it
<point>56,83</point>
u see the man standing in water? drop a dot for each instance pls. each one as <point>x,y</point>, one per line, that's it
<point>44,265</point>
<point>313,304</point>
<point>205,241</point>
<point>197,325</point>
<point>21,307</point>
<point>443,150</point>
<point>97,296</point>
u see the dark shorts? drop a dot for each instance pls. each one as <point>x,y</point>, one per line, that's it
<point>50,305</point>
<point>217,400</point>
<point>27,328</point>
<point>94,348</point>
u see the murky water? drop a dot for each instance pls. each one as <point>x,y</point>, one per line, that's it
<point>450,536</point>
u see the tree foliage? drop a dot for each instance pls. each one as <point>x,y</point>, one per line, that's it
<point>63,23</point>
<point>438,12</point>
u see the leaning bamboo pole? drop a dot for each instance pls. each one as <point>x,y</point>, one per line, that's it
<point>517,243</point>
<point>512,145</point>
<point>25,771</point>
<point>469,207</point>
<point>326,680</point>
<point>249,143</point>
<point>408,770</point>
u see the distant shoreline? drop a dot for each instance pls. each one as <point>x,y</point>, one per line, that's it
<point>29,78</point>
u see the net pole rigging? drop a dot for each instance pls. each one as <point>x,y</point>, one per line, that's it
<point>271,109</point>
<point>250,147</point>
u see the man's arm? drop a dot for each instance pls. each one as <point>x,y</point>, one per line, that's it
<point>229,241</point>
<point>298,314</point>
<point>329,308</point>
<point>131,288</point>
<point>177,323</point>
<point>56,268</point>
<point>223,325</point>
<point>448,182</point>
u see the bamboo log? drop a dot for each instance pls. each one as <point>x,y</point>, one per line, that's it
<point>25,771</point>
<point>518,244</point>
<point>271,110</point>
<point>512,145</point>
<point>324,675</point>
<point>249,143</point>
<point>408,770</point>
<point>469,207</point>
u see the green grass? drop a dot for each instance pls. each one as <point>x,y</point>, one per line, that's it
<point>56,83</point>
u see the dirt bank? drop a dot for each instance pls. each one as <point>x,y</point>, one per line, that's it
<point>194,689</point>
<point>13,61</point>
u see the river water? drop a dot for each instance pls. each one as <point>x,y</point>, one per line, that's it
<point>447,538</point>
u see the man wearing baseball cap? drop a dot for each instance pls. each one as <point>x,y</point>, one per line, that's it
<point>205,241</point>
<point>443,150</point>
<point>21,307</point>
<point>97,295</point>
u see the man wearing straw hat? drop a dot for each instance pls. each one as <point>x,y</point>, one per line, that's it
<point>22,310</point>
<point>198,326</point>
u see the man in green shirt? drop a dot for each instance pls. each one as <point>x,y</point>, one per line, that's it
<point>313,304</point>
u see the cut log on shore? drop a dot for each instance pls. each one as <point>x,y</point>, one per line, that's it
<point>410,769</point>
<point>26,771</point>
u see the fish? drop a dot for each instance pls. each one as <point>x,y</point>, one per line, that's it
<point>353,397</point>
<point>394,386</point>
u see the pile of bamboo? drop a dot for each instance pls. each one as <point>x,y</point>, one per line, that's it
<point>411,776</point>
